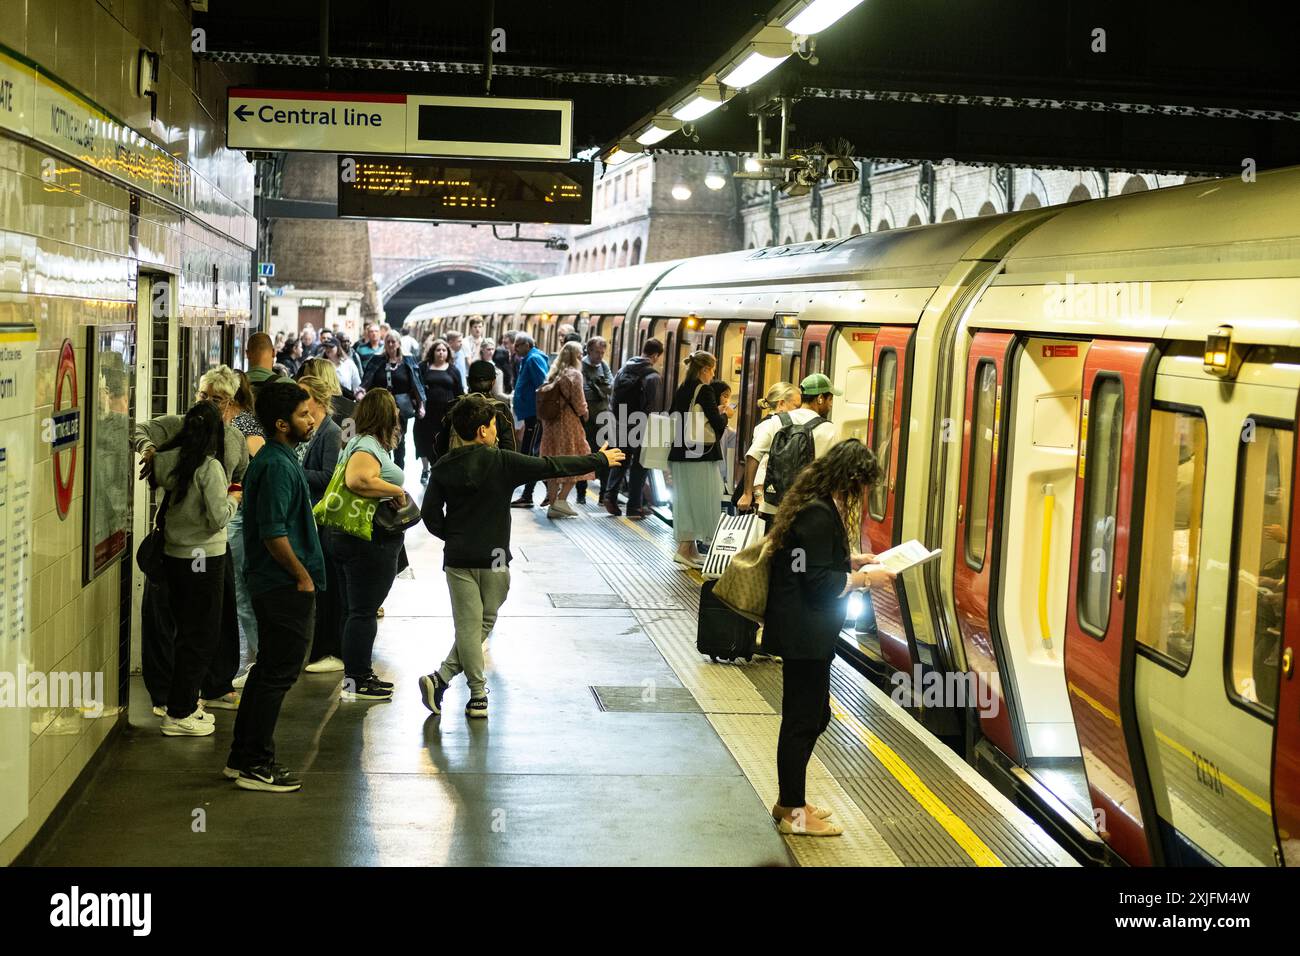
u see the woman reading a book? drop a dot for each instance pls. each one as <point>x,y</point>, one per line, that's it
<point>813,570</point>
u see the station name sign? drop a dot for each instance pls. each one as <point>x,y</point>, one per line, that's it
<point>450,190</point>
<point>399,123</point>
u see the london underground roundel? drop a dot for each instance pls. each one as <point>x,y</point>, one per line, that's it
<point>66,429</point>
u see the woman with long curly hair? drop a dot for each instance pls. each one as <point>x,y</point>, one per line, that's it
<point>814,567</point>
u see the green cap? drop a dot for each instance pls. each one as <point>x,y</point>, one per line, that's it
<point>818,384</point>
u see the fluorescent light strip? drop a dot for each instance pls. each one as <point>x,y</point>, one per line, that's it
<point>819,15</point>
<point>653,134</point>
<point>752,69</point>
<point>695,108</point>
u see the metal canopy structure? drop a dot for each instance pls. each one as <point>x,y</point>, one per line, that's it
<point>1117,85</point>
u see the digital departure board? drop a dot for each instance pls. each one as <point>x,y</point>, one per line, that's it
<point>456,190</point>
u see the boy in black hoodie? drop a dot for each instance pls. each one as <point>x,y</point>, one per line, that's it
<point>467,505</point>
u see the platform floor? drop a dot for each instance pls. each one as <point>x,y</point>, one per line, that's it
<point>610,742</point>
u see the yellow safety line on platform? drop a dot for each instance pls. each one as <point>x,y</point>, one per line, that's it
<point>956,827</point>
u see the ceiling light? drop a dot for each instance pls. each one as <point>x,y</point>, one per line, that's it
<point>751,69</point>
<point>681,192</point>
<point>818,15</point>
<point>696,107</point>
<point>715,181</point>
<point>661,127</point>
<point>752,165</point>
<point>617,155</point>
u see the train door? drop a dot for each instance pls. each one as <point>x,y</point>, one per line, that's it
<point>851,364</point>
<point>976,560</point>
<point>879,525</point>
<point>643,333</point>
<point>1099,643</point>
<point>751,388</point>
<point>613,332</point>
<point>815,356</point>
<point>1286,741</point>
<point>676,349</point>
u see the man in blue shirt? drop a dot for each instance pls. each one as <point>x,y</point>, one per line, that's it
<point>284,568</point>
<point>533,369</point>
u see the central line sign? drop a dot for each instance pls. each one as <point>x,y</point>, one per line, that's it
<point>399,123</point>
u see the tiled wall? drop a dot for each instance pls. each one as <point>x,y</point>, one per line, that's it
<point>66,264</point>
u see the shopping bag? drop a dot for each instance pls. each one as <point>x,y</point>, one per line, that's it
<point>734,534</point>
<point>657,441</point>
<point>342,510</point>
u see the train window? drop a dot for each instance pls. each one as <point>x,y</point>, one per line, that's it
<point>1259,565</point>
<point>1105,434</point>
<point>981,462</point>
<point>1171,536</point>
<point>886,382</point>
<point>814,358</point>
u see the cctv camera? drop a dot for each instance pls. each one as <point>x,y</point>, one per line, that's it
<point>843,170</point>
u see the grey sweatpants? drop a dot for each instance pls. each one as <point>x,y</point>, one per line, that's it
<point>476,596</point>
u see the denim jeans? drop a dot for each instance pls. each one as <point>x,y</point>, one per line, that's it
<point>286,618</point>
<point>243,601</point>
<point>366,572</point>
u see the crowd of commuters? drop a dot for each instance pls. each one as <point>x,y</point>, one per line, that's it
<point>244,475</point>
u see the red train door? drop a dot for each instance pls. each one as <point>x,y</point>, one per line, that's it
<point>1100,620</point>
<point>751,379</point>
<point>879,524</point>
<point>614,336</point>
<point>668,334</point>
<point>816,340</point>
<point>976,560</point>
<point>1286,736</point>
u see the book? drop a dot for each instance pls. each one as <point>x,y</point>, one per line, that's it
<point>906,555</point>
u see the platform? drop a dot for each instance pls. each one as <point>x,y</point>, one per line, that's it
<point>610,742</point>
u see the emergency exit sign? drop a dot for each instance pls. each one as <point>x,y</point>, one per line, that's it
<point>399,124</point>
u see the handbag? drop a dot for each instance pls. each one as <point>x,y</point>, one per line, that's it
<point>149,556</point>
<point>342,510</point>
<point>734,534</point>
<point>392,520</point>
<point>699,431</point>
<point>405,407</point>
<point>743,585</point>
<point>657,442</point>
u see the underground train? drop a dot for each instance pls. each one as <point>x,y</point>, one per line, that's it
<point>1092,410</point>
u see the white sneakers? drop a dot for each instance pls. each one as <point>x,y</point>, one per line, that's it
<point>195,725</point>
<point>326,665</point>
<point>224,702</point>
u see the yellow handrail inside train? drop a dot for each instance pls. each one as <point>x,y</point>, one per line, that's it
<point>1044,563</point>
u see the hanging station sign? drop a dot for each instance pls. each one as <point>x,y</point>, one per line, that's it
<point>450,190</point>
<point>399,123</point>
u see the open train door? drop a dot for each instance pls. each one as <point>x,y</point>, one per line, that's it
<point>1286,734</point>
<point>1100,620</point>
<point>816,349</point>
<point>978,527</point>
<point>889,409</point>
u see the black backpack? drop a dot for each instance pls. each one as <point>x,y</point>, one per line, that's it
<point>792,450</point>
<point>628,394</point>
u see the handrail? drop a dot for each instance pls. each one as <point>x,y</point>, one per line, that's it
<point>1044,565</point>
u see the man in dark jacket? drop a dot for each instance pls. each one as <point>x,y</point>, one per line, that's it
<point>467,505</point>
<point>635,394</point>
<point>482,376</point>
<point>597,381</point>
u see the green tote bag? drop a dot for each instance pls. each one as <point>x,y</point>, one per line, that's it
<point>341,509</point>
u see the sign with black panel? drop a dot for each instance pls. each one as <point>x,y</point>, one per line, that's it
<point>457,190</point>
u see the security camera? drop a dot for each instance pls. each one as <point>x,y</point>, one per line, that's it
<point>842,170</point>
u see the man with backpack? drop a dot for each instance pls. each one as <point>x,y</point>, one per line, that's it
<point>635,394</point>
<point>789,441</point>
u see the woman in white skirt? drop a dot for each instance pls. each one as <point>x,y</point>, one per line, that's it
<point>698,424</point>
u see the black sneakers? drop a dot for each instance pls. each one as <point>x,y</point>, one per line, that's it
<point>432,687</point>
<point>271,778</point>
<point>522,502</point>
<point>365,688</point>
<point>477,707</point>
<point>375,679</point>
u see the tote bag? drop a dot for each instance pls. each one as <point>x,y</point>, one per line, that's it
<point>342,510</point>
<point>743,585</point>
<point>698,430</point>
<point>734,534</point>
<point>658,441</point>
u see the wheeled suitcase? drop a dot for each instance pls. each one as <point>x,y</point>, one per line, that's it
<point>722,634</point>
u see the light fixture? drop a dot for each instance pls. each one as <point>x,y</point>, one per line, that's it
<point>696,105</point>
<point>617,155</point>
<point>659,128</point>
<point>1222,357</point>
<point>715,180</point>
<point>769,48</point>
<point>752,165</point>
<point>814,16</point>
<point>681,192</point>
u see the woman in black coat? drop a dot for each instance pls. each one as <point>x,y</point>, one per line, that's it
<point>442,386</point>
<point>395,371</point>
<point>813,570</point>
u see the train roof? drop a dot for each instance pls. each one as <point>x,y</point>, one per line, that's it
<point>607,292</point>
<point>504,299</point>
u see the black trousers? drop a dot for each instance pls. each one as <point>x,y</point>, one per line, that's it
<point>591,426</point>
<point>197,588</point>
<point>327,637</point>
<point>629,475</point>
<point>531,444</point>
<point>399,453</point>
<point>158,642</point>
<point>285,622</point>
<point>805,713</point>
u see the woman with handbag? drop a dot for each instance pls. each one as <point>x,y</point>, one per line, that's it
<point>367,565</point>
<point>200,503</point>
<point>812,569</point>
<point>394,370</point>
<point>318,465</point>
<point>564,431</point>
<point>698,423</point>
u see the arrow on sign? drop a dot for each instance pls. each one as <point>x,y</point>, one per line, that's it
<point>243,113</point>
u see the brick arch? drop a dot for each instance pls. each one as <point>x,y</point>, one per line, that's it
<point>497,276</point>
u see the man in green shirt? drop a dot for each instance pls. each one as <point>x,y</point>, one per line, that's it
<point>260,351</point>
<point>284,568</point>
